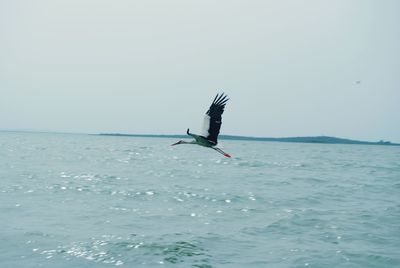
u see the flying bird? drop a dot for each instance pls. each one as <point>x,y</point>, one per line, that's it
<point>211,126</point>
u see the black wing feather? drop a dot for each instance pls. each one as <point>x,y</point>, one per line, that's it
<point>215,113</point>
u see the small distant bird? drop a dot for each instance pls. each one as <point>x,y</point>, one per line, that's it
<point>358,82</point>
<point>211,126</point>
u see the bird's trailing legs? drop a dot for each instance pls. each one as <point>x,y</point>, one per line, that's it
<point>221,152</point>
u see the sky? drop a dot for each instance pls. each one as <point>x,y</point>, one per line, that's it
<point>290,67</point>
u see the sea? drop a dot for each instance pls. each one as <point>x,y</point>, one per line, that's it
<point>72,200</point>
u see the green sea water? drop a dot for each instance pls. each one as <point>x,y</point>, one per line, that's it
<point>94,201</point>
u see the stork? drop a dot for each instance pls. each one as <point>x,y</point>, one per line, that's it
<point>211,126</point>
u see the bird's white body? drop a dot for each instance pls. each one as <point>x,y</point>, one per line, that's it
<point>206,126</point>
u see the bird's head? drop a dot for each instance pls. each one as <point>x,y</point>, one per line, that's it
<point>178,142</point>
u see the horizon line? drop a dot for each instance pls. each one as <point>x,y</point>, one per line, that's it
<point>222,136</point>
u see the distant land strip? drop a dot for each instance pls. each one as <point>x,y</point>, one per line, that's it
<point>316,139</point>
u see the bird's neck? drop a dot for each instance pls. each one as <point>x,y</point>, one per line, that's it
<point>188,142</point>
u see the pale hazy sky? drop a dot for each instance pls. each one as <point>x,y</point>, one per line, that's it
<point>290,67</point>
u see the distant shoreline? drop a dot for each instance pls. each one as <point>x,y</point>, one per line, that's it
<point>308,139</point>
<point>314,139</point>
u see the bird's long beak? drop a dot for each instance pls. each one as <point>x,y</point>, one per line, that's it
<point>176,143</point>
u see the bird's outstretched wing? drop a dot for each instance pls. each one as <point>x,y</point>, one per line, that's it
<point>213,120</point>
